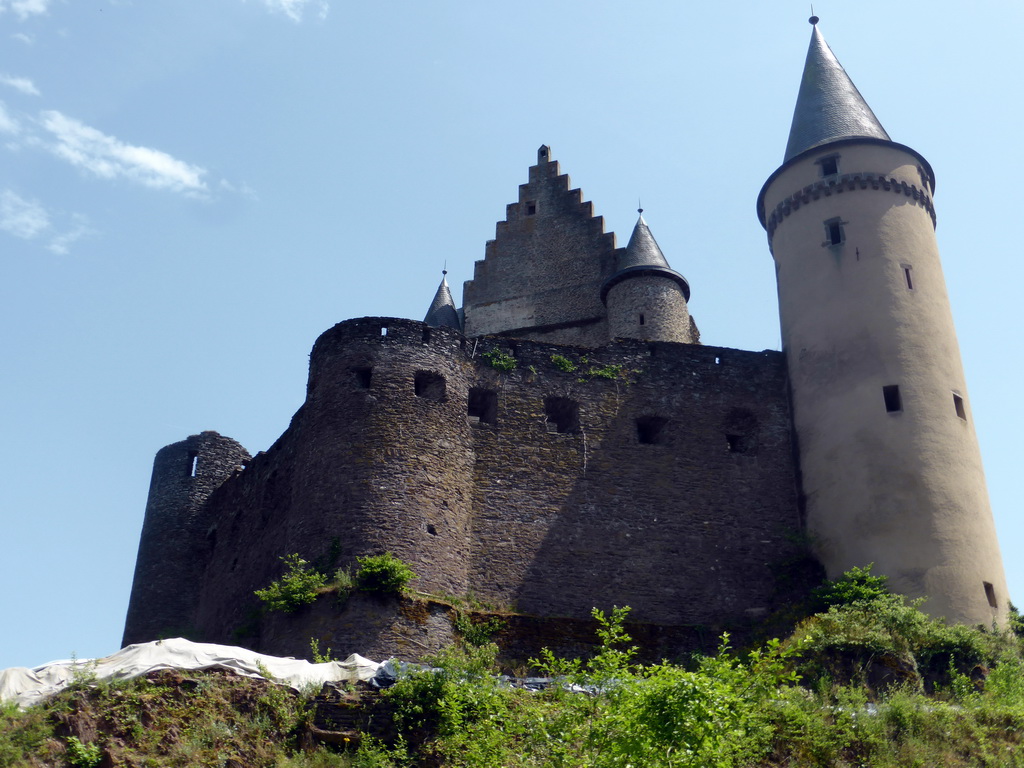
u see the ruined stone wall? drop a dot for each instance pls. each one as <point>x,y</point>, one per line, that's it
<point>672,490</point>
<point>176,533</point>
<point>653,475</point>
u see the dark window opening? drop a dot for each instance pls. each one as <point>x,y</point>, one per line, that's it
<point>958,403</point>
<point>651,430</point>
<point>641,319</point>
<point>431,529</point>
<point>362,377</point>
<point>543,153</point>
<point>193,464</point>
<point>893,401</point>
<point>426,335</point>
<point>908,278</point>
<point>234,564</point>
<point>483,406</point>
<point>741,432</point>
<point>383,330</point>
<point>429,385</point>
<point>829,165</point>
<point>990,593</point>
<point>834,232</point>
<point>531,208</point>
<point>563,415</point>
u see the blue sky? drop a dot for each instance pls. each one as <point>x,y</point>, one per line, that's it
<point>192,191</point>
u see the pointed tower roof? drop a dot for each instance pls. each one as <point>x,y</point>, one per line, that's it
<point>829,107</point>
<point>642,255</point>
<point>442,312</point>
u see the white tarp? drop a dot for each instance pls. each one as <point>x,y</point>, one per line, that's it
<point>30,686</point>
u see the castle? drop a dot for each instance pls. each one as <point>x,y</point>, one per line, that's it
<point>564,440</point>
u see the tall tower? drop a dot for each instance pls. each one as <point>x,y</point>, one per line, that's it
<point>890,464</point>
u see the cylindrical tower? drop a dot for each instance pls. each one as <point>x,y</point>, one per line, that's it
<point>165,590</point>
<point>645,297</point>
<point>890,464</point>
<point>386,458</point>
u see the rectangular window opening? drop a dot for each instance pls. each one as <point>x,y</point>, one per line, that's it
<point>651,430</point>
<point>641,319</point>
<point>563,415</point>
<point>426,335</point>
<point>990,594</point>
<point>893,401</point>
<point>829,165</point>
<point>531,207</point>
<point>430,385</point>
<point>383,330</point>
<point>362,377</point>
<point>908,278</point>
<point>958,403</point>
<point>482,407</point>
<point>193,463</point>
<point>835,234</point>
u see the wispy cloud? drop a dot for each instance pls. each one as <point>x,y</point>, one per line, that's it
<point>20,217</point>
<point>295,9</point>
<point>8,123</point>
<point>60,243</point>
<point>23,9</point>
<point>22,84</point>
<point>110,158</point>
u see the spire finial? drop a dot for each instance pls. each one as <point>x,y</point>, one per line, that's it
<point>814,19</point>
<point>639,207</point>
<point>444,269</point>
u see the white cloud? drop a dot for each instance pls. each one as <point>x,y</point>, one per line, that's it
<point>20,217</point>
<point>294,9</point>
<point>26,39</point>
<point>8,124</point>
<point>22,84</point>
<point>25,8</point>
<point>79,229</point>
<point>110,158</point>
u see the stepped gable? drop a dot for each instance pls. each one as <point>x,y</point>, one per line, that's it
<point>541,276</point>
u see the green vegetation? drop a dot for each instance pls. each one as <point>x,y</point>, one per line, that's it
<point>299,586</point>
<point>383,574</point>
<point>563,363</point>
<point>868,680</point>
<point>302,584</point>
<point>499,361</point>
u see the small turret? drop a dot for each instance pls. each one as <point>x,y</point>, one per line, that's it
<point>645,297</point>
<point>442,312</point>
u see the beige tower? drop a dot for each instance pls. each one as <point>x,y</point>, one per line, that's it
<point>891,469</point>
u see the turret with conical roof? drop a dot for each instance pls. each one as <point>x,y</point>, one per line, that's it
<point>645,297</point>
<point>890,467</point>
<point>442,312</point>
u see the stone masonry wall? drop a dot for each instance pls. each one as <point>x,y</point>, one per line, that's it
<point>541,276</point>
<point>670,487</point>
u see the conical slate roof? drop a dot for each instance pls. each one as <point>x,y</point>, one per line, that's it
<point>442,312</point>
<point>829,106</point>
<point>642,250</point>
<point>642,255</point>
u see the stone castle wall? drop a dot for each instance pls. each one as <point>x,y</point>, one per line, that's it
<point>655,475</point>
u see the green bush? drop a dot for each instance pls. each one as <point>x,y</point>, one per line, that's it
<point>299,586</point>
<point>500,361</point>
<point>383,574</point>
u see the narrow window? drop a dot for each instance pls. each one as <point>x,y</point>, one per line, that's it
<point>563,415</point>
<point>829,165</point>
<point>834,232</point>
<point>362,377</point>
<point>383,330</point>
<point>741,432</point>
<point>429,385</point>
<point>531,207</point>
<point>641,319</point>
<point>907,276</point>
<point>651,430</point>
<point>893,401</point>
<point>958,403</point>
<point>990,593</point>
<point>193,463</point>
<point>483,406</point>
<point>426,335</point>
